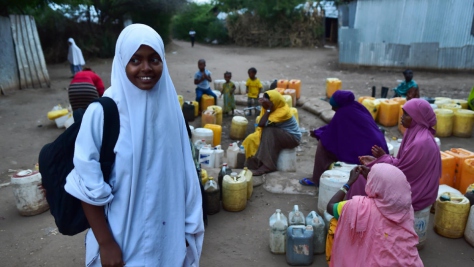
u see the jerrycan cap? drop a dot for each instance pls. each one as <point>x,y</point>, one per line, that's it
<point>233,174</point>
<point>444,197</point>
<point>278,210</point>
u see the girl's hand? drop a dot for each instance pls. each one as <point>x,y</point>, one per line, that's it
<point>354,175</point>
<point>364,170</point>
<point>377,151</point>
<point>364,160</point>
<point>111,255</point>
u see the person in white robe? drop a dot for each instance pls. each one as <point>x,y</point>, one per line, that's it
<point>153,203</point>
<point>74,56</point>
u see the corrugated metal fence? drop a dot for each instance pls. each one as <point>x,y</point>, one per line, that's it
<point>32,69</point>
<point>402,33</point>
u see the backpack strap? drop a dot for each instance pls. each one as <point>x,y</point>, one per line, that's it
<point>110,135</point>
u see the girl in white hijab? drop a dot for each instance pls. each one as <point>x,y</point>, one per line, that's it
<point>153,204</point>
<point>74,56</point>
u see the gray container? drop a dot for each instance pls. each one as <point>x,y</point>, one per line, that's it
<point>299,245</point>
<point>319,239</point>
<point>296,217</point>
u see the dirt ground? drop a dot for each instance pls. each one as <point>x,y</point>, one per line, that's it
<point>232,239</point>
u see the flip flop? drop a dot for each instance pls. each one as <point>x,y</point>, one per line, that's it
<point>306,182</point>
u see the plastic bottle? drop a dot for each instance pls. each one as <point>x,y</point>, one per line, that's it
<point>241,158</point>
<point>299,245</point>
<point>211,191</point>
<point>232,152</point>
<point>218,156</point>
<point>198,145</point>
<point>225,170</point>
<point>278,226</point>
<point>319,239</point>
<point>206,156</point>
<point>296,217</point>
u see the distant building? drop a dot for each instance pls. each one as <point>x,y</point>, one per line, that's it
<point>432,34</point>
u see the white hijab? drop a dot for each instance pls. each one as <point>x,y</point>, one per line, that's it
<point>74,55</point>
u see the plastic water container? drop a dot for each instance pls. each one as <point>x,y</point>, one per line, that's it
<point>234,192</point>
<point>288,100</point>
<point>433,106</point>
<point>287,160</point>
<point>30,199</point>
<point>331,181</point>
<point>218,156</point>
<point>294,112</point>
<point>280,90</point>
<point>212,193</point>
<point>332,85</point>
<point>232,152</point>
<point>180,100</point>
<point>208,117</point>
<point>422,219</point>
<point>57,112</point>
<point>459,155</point>
<point>196,108</point>
<point>216,133</point>
<point>327,219</point>
<point>204,177</point>
<point>342,166</point>
<point>451,215</point>
<point>296,85</point>
<point>240,158</point>
<point>238,128</point>
<point>203,134</point>
<point>447,189</point>
<point>61,121</point>
<point>372,106</point>
<point>249,177</point>
<point>401,100</point>
<point>361,99</point>
<point>218,111</point>
<point>188,111</point>
<point>448,168</point>
<point>292,93</point>
<point>463,123</point>
<point>388,114</point>
<point>296,217</point>
<point>467,175</point>
<point>439,101</point>
<point>451,106</point>
<point>225,170</point>
<point>462,102</point>
<point>220,101</point>
<point>469,231</point>
<point>299,245</point>
<point>206,157</point>
<point>69,121</point>
<point>400,125</point>
<point>218,84</point>
<point>206,101</point>
<point>396,146</point>
<point>444,124</point>
<point>278,227</point>
<point>390,149</point>
<point>319,238</point>
<point>282,84</point>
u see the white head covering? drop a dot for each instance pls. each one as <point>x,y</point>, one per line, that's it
<point>74,56</point>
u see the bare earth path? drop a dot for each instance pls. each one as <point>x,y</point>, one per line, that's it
<point>232,239</point>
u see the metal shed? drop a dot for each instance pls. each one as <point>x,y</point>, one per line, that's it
<point>433,34</point>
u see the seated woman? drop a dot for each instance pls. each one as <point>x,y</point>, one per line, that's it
<point>277,129</point>
<point>351,133</point>
<point>376,230</point>
<point>418,157</point>
<point>84,88</point>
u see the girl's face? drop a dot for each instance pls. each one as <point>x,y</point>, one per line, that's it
<point>227,77</point>
<point>144,68</point>
<point>406,119</point>
<point>252,75</point>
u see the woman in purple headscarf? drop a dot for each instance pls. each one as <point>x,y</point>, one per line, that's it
<point>351,133</point>
<point>418,158</point>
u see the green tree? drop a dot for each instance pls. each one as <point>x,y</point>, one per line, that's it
<point>266,9</point>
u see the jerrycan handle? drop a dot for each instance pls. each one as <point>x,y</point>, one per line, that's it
<point>278,212</point>
<point>313,214</point>
<point>295,208</point>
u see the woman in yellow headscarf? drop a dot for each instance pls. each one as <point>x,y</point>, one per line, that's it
<point>277,129</point>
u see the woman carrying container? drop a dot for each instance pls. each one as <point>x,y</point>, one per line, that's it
<point>149,214</point>
<point>377,229</point>
<point>351,133</point>
<point>418,157</point>
<point>277,129</point>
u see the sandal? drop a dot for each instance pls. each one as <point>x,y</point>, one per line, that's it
<point>306,182</point>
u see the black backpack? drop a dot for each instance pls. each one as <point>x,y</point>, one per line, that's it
<point>56,162</point>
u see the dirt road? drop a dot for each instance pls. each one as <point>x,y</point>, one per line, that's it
<point>232,239</point>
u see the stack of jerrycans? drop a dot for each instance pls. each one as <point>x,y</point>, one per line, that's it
<point>301,239</point>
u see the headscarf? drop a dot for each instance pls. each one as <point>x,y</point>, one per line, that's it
<point>352,131</point>
<point>156,203</point>
<point>74,55</point>
<point>280,112</point>
<point>418,157</point>
<point>387,208</point>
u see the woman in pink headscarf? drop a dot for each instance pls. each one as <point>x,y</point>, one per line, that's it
<point>418,158</point>
<point>377,229</point>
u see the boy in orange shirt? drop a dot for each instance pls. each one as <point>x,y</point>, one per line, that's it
<point>253,89</point>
